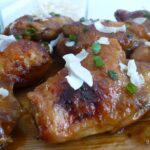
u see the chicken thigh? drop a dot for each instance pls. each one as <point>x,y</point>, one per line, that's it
<point>63,114</point>
<point>32,28</point>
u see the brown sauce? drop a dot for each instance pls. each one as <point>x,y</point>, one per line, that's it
<point>19,140</point>
<point>25,135</point>
<point>138,134</point>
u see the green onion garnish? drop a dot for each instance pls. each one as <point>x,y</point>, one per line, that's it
<point>18,37</point>
<point>131,88</point>
<point>127,26</point>
<point>53,14</point>
<point>94,20</point>
<point>72,37</point>
<point>112,74</point>
<point>96,47</point>
<point>98,61</point>
<point>85,29</point>
<point>107,21</point>
<point>45,43</point>
<point>30,19</point>
<point>129,35</point>
<point>30,31</point>
<point>147,15</point>
<point>82,19</point>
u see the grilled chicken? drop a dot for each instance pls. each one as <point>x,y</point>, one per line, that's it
<point>141,30</point>
<point>64,114</point>
<point>86,35</point>
<point>123,15</point>
<point>9,111</point>
<point>141,53</point>
<point>24,62</point>
<point>29,27</point>
<point>21,64</point>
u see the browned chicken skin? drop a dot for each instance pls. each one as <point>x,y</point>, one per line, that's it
<point>131,40</point>
<point>9,112</point>
<point>40,30</point>
<point>142,53</point>
<point>141,31</point>
<point>61,113</point>
<point>64,114</point>
<point>21,64</point>
<point>85,39</point>
<point>123,15</point>
<point>24,62</point>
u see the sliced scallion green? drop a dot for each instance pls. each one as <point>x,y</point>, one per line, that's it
<point>96,47</point>
<point>98,61</point>
<point>72,37</point>
<point>131,88</point>
<point>112,74</point>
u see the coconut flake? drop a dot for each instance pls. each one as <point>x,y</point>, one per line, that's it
<point>87,22</point>
<point>135,77</point>
<point>40,17</point>
<point>4,92</point>
<point>147,43</point>
<point>82,55</point>
<point>123,67</point>
<point>139,20</point>
<point>103,40</point>
<point>43,14</point>
<point>100,27</point>
<point>77,73</point>
<point>53,43</point>
<point>74,81</point>
<point>5,41</point>
<point>70,43</point>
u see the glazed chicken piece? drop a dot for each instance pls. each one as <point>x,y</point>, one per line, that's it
<point>141,53</point>
<point>63,114</point>
<point>24,62</point>
<point>32,28</point>
<point>9,111</point>
<point>86,35</point>
<point>21,64</point>
<point>140,29</point>
<point>136,22</point>
<point>123,15</point>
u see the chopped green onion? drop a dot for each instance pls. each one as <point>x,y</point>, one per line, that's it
<point>53,14</point>
<point>85,29</point>
<point>30,31</point>
<point>112,34</point>
<point>96,47</point>
<point>45,43</point>
<point>129,35</point>
<point>72,37</point>
<point>18,37</point>
<point>112,74</point>
<point>98,61</point>
<point>82,19</point>
<point>131,88</point>
<point>94,20</point>
<point>147,15</point>
<point>107,21</point>
<point>30,19</point>
<point>127,26</point>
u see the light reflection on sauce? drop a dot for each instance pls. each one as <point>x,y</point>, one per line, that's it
<point>136,134</point>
